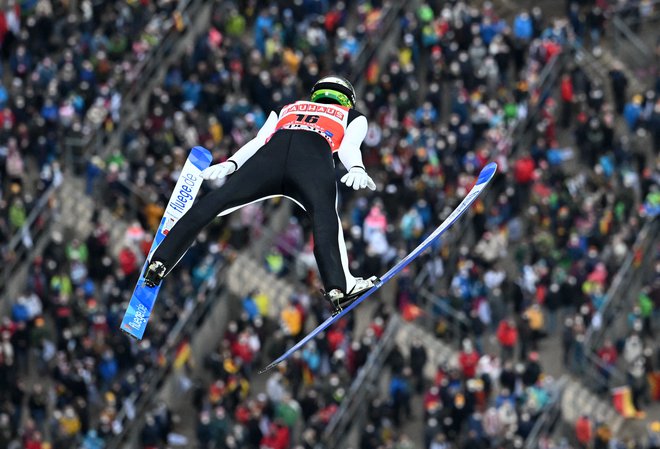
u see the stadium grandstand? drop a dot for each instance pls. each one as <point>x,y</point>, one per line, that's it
<point>533,323</point>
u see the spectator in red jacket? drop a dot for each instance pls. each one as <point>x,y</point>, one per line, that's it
<point>608,353</point>
<point>523,173</point>
<point>276,438</point>
<point>468,360</point>
<point>608,356</point>
<point>507,336</point>
<point>128,261</point>
<point>566,100</point>
<point>241,349</point>
<point>583,431</point>
<point>524,169</point>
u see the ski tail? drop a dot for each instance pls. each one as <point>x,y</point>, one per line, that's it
<point>143,299</point>
<point>485,176</point>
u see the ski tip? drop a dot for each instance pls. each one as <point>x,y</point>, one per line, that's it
<point>200,150</point>
<point>268,368</point>
<point>127,331</point>
<point>487,173</point>
<point>200,157</point>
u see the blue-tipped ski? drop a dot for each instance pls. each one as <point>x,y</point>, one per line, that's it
<point>485,177</point>
<point>143,299</point>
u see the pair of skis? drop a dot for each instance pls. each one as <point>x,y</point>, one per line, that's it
<point>143,299</point>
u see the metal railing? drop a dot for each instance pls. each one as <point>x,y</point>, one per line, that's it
<point>35,228</point>
<point>390,12</point>
<point>598,376</point>
<point>634,38</point>
<point>642,53</point>
<point>93,142</point>
<point>208,296</point>
<point>149,67</point>
<point>617,289</point>
<point>519,137</point>
<point>636,15</point>
<point>613,311</point>
<point>549,417</point>
<point>352,407</point>
<point>457,322</point>
<point>587,60</point>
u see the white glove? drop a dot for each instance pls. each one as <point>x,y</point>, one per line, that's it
<point>218,171</point>
<point>358,178</point>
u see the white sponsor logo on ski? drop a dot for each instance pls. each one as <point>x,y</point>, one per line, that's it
<point>185,193</point>
<point>139,318</point>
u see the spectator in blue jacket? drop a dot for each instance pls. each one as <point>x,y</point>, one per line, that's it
<point>523,27</point>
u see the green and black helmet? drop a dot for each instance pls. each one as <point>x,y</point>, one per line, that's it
<point>334,90</point>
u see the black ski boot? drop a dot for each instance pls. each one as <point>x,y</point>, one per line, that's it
<point>154,274</point>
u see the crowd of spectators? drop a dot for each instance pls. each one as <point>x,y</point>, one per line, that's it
<point>299,397</point>
<point>569,231</point>
<point>65,370</point>
<point>480,402</point>
<point>60,328</point>
<point>588,433</point>
<point>220,91</point>
<point>565,232</point>
<point>410,157</point>
<point>63,69</point>
<point>629,346</point>
<point>62,73</point>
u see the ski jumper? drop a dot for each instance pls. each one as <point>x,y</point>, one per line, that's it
<point>291,156</point>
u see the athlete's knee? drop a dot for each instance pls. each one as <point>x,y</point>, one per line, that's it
<point>197,215</point>
<point>324,224</point>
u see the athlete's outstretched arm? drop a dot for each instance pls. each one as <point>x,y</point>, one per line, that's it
<point>248,150</point>
<point>349,150</point>
<point>251,147</point>
<point>350,155</point>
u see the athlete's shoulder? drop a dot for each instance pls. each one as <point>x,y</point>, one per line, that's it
<point>294,106</point>
<point>353,114</point>
<point>286,107</point>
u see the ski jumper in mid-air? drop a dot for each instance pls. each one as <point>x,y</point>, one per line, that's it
<point>291,156</point>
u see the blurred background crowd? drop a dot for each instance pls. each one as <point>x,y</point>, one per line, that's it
<point>522,290</point>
